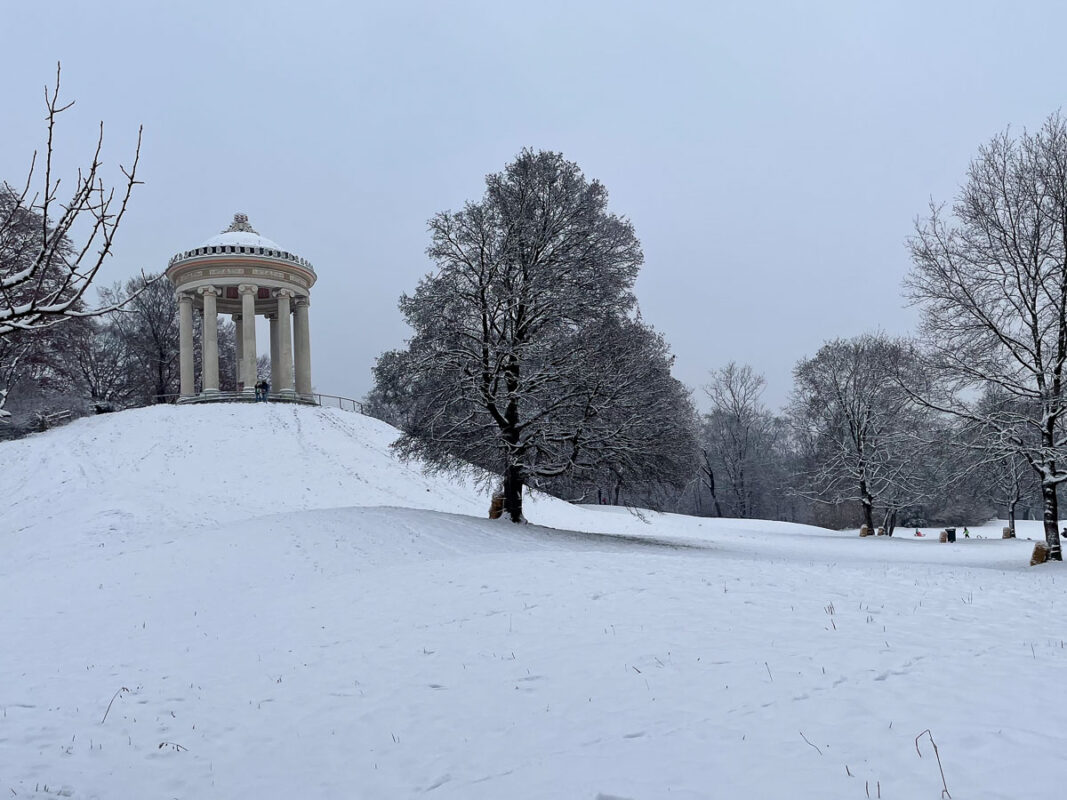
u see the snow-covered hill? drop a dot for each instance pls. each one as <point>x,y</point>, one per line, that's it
<point>264,603</point>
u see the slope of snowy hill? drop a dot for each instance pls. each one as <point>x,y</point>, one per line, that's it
<point>261,602</point>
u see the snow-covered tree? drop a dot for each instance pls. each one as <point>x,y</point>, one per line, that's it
<point>44,270</point>
<point>24,354</point>
<point>991,279</point>
<point>641,449</point>
<point>51,248</point>
<point>860,424</point>
<point>146,329</point>
<point>738,439</point>
<point>528,357</point>
<point>100,364</point>
<point>1007,481</point>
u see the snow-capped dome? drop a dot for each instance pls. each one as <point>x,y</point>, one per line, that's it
<point>241,234</point>
<point>241,239</point>
<point>240,242</point>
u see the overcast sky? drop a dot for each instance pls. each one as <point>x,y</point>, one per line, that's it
<point>772,156</point>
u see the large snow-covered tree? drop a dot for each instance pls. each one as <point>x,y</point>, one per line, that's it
<point>528,357</point>
<point>990,276</point>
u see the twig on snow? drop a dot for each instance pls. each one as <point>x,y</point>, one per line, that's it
<point>805,738</point>
<point>120,691</point>
<point>944,790</point>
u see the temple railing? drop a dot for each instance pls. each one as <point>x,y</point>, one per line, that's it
<point>333,401</point>
<point>315,399</point>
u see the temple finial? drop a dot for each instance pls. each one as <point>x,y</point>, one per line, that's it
<point>240,223</point>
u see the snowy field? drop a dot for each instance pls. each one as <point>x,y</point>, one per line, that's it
<point>260,602</point>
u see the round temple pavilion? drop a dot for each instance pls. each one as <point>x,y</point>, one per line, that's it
<point>245,275</point>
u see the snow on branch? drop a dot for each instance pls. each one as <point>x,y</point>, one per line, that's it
<point>44,271</point>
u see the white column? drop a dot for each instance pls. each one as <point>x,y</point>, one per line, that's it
<point>185,343</point>
<point>285,343</point>
<point>210,340</point>
<point>275,359</point>
<point>302,342</point>
<point>248,293</point>
<point>239,341</point>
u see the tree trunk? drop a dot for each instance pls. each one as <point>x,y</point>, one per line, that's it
<point>711,483</point>
<point>889,521</point>
<point>1011,516</point>
<point>1052,522</point>
<point>513,483</point>
<point>514,478</point>
<point>868,506</point>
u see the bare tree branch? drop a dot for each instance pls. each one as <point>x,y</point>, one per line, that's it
<point>991,281</point>
<point>44,274</point>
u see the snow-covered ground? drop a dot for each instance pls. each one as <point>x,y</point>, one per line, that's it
<point>260,602</point>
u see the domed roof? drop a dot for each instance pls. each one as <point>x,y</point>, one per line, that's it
<point>242,234</point>
<point>238,242</point>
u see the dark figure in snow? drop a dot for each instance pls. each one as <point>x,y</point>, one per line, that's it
<point>266,389</point>
<point>260,390</point>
